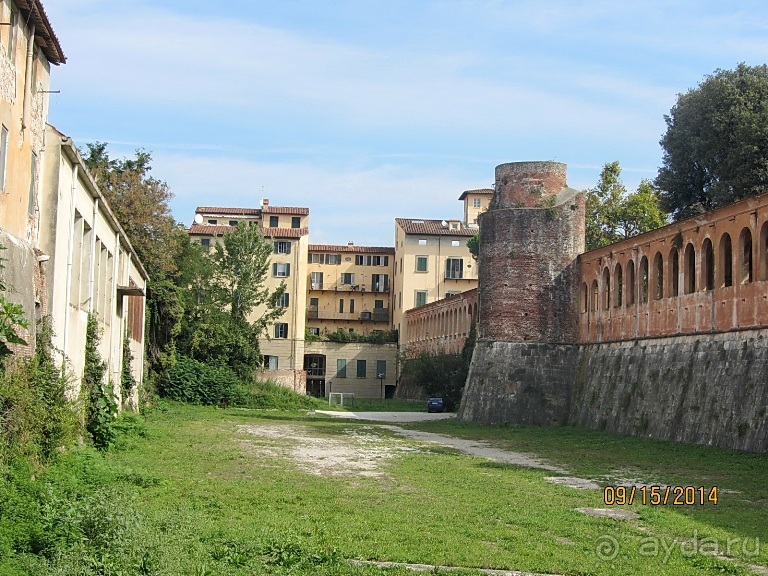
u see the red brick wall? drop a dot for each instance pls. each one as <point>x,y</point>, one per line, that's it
<point>441,326</point>
<point>694,281</point>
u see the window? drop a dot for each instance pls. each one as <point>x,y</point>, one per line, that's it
<point>315,258</point>
<point>12,34</point>
<point>233,223</point>
<point>3,155</point>
<point>32,185</point>
<point>423,242</point>
<point>361,368</point>
<point>455,243</point>
<point>378,303</point>
<point>708,265</point>
<point>381,260</point>
<point>361,260</point>
<point>212,222</point>
<point>630,283</point>
<point>658,275</point>
<point>341,305</point>
<point>689,280</point>
<point>347,278</point>
<point>380,282</point>
<point>421,297</point>
<point>644,280</point>
<point>281,330</point>
<point>284,300</point>
<point>745,270</point>
<point>674,275</point>
<point>618,286</point>
<point>399,300</point>
<point>341,368</point>
<point>351,306</point>
<point>476,202</point>
<point>281,269</point>
<point>333,258</point>
<point>606,288</point>
<point>270,362</point>
<point>274,221</point>
<point>421,263</point>
<point>205,243</point>
<point>381,368</point>
<point>314,331</point>
<point>454,268</point>
<point>449,294</point>
<point>296,222</point>
<point>316,280</point>
<point>726,261</point>
<point>282,247</point>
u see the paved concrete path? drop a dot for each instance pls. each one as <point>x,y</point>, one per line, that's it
<point>390,416</point>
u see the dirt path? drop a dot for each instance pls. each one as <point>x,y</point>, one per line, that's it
<point>476,448</point>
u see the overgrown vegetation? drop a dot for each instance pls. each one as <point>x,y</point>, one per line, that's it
<point>440,373</point>
<point>100,401</point>
<point>375,337</point>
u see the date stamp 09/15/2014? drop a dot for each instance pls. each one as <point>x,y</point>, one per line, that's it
<point>660,495</point>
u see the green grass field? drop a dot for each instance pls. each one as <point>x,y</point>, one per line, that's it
<point>203,491</point>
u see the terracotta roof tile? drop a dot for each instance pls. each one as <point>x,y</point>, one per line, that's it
<point>228,211</point>
<point>360,249</point>
<point>209,230</point>
<point>285,210</point>
<point>432,228</point>
<point>45,37</point>
<point>488,191</point>
<point>284,232</point>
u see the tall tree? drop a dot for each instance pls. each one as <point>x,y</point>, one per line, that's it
<point>716,143</point>
<point>613,214</point>
<point>140,203</point>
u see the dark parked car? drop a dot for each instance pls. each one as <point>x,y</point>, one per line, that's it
<point>436,404</point>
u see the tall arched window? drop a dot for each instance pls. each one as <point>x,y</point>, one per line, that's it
<point>658,276</point>
<point>618,286</point>
<point>674,272</point>
<point>689,279</point>
<point>726,261</point>
<point>745,258</point>
<point>595,295</point>
<point>631,286</point>
<point>644,280</point>
<point>763,249</point>
<point>584,297</point>
<point>708,265</point>
<point>606,288</point>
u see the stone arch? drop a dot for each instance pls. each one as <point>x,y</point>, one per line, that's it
<point>584,298</point>
<point>745,257</point>
<point>763,251</point>
<point>618,285</point>
<point>606,288</point>
<point>673,283</point>
<point>644,280</point>
<point>707,265</point>
<point>631,284</point>
<point>725,253</point>
<point>658,276</point>
<point>689,273</point>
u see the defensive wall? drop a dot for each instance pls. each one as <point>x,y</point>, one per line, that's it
<point>442,326</point>
<point>664,334</point>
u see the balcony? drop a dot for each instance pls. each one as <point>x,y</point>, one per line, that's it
<point>378,315</point>
<point>312,313</point>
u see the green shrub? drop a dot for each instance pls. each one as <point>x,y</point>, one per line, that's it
<point>100,400</point>
<point>269,395</point>
<point>198,383</point>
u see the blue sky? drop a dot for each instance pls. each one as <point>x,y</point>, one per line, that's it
<point>374,109</point>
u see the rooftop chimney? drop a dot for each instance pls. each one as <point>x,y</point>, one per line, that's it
<point>265,202</point>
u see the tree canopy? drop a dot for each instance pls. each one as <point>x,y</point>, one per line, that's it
<point>613,214</point>
<point>716,143</point>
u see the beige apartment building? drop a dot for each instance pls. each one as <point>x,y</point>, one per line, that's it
<point>349,288</point>
<point>432,261</point>
<point>288,230</point>
<point>475,202</point>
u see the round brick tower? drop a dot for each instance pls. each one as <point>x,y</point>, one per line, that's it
<point>530,239</point>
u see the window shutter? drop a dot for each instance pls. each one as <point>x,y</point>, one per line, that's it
<point>274,269</point>
<point>288,248</point>
<point>276,245</point>
<point>287,269</point>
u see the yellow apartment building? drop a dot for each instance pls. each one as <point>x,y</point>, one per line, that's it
<point>28,48</point>
<point>288,229</point>
<point>475,202</point>
<point>349,288</point>
<point>432,261</point>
